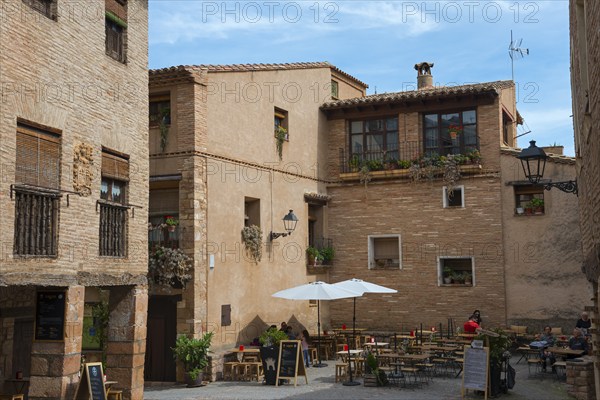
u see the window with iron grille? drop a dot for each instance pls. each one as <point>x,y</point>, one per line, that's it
<point>44,7</point>
<point>116,29</point>
<point>37,198</point>
<point>113,209</point>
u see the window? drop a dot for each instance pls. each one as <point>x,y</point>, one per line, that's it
<point>116,29</point>
<point>455,198</point>
<point>334,90</point>
<point>251,211</point>
<point>384,251</point>
<point>281,121</point>
<point>44,7</point>
<point>164,203</point>
<point>374,139</point>
<point>160,111</point>
<point>452,133</point>
<point>113,200</point>
<point>37,198</point>
<point>456,270</point>
<point>529,199</point>
<point>507,129</point>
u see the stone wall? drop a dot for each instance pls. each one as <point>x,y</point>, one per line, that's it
<point>580,380</point>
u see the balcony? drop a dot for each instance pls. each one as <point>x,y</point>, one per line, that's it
<point>163,235</point>
<point>403,161</point>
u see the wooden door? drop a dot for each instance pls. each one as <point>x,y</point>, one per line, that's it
<point>162,333</point>
<point>22,344</point>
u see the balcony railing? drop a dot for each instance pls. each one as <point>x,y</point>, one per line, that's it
<point>376,158</point>
<point>400,157</point>
<point>36,222</point>
<point>163,235</point>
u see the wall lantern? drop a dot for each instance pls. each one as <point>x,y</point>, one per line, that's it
<point>533,160</point>
<point>289,223</point>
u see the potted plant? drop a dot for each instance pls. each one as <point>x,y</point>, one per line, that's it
<point>269,352</point>
<point>468,278</point>
<point>172,223</point>
<point>458,277</point>
<point>327,253</point>
<point>354,163</point>
<point>281,136</point>
<point>448,272</point>
<point>193,353</point>
<point>252,239</point>
<point>314,255</point>
<point>454,131</point>
<point>499,350</point>
<point>373,375</point>
<point>537,205</point>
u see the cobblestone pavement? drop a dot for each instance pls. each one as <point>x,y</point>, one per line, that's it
<point>321,385</point>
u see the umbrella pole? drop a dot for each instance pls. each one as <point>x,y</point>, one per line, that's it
<point>351,382</point>
<point>319,363</point>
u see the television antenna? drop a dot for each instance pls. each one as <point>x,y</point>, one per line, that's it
<point>515,51</point>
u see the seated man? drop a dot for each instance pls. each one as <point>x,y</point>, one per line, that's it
<point>578,342</point>
<point>550,340</point>
<point>584,323</point>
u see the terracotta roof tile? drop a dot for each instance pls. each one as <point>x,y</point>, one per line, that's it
<point>434,92</point>
<point>253,67</point>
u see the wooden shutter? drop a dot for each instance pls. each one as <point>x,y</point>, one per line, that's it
<point>164,201</point>
<point>115,166</point>
<point>38,157</point>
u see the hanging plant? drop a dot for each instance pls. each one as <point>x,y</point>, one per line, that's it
<point>280,137</point>
<point>451,174</point>
<point>164,121</point>
<point>252,238</point>
<point>168,267</point>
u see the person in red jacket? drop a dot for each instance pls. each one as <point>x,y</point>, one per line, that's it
<point>471,326</point>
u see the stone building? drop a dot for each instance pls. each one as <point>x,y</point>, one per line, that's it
<point>585,87</point>
<point>449,244</point>
<point>73,193</point>
<point>422,229</point>
<point>215,168</point>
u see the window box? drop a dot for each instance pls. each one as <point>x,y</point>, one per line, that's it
<point>469,169</point>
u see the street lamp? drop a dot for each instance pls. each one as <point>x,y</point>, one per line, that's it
<point>533,160</point>
<point>289,223</point>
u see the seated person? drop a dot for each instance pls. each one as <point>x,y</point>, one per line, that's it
<point>471,326</point>
<point>550,340</point>
<point>578,342</point>
<point>584,323</point>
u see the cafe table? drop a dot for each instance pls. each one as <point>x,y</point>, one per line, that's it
<point>247,352</point>
<point>565,352</point>
<point>19,384</point>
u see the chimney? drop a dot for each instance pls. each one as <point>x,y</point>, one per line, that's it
<point>424,77</point>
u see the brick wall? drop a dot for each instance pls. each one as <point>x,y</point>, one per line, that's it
<point>580,380</point>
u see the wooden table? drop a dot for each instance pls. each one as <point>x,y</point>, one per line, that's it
<point>19,384</point>
<point>565,352</point>
<point>376,344</point>
<point>248,351</point>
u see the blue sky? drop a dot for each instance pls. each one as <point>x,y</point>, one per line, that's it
<point>380,41</point>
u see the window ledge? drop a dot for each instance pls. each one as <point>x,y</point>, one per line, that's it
<point>456,285</point>
<point>318,269</point>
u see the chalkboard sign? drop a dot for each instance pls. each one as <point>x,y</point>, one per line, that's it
<point>91,386</point>
<point>475,369</point>
<point>50,316</point>
<point>290,364</point>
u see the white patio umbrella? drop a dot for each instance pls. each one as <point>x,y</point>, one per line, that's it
<point>362,287</point>
<point>317,291</point>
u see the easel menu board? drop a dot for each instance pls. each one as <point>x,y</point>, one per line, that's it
<point>290,364</point>
<point>50,315</point>
<point>91,385</point>
<point>475,370</point>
